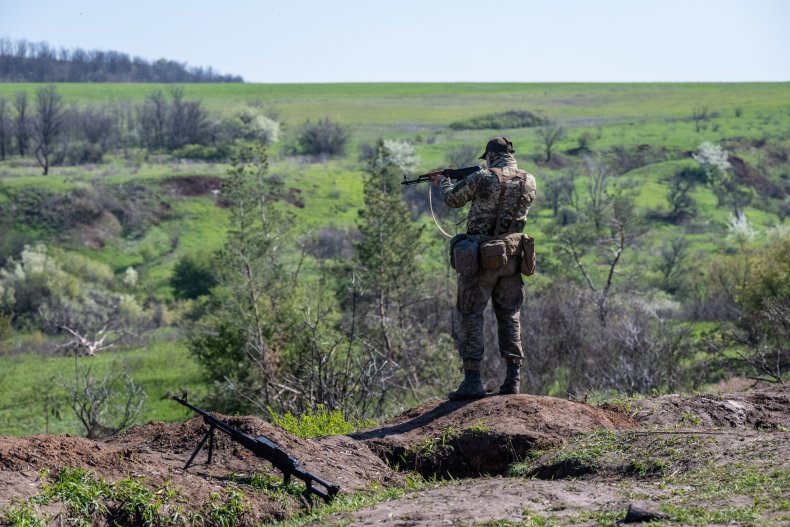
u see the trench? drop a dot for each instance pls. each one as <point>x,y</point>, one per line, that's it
<point>465,455</point>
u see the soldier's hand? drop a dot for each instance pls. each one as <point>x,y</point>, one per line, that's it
<point>437,178</point>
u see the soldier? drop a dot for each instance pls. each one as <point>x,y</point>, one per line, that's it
<point>500,197</point>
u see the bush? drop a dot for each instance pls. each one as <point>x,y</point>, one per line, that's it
<point>508,119</point>
<point>248,126</point>
<point>202,152</point>
<point>323,137</point>
<point>319,423</point>
<point>193,276</point>
<point>571,351</point>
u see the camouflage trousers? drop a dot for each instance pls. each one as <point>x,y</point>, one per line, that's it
<point>504,287</point>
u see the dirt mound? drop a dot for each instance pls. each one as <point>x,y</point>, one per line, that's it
<point>546,437</point>
<point>767,408</point>
<point>470,438</point>
<point>158,452</point>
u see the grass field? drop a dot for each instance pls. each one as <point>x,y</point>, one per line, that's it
<point>161,369</point>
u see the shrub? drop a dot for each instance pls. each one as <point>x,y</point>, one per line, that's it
<point>248,125</point>
<point>319,423</point>
<point>508,119</point>
<point>193,276</point>
<point>324,137</point>
<point>202,152</point>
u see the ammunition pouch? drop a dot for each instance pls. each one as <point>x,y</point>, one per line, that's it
<point>464,255</point>
<point>499,250</point>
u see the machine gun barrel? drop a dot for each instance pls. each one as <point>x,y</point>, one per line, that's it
<point>452,173</point>
<point>263,448</point>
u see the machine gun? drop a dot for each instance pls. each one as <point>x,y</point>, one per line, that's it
<point>263,448</point>
<point>452,173</point>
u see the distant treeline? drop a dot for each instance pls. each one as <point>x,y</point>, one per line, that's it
<point>23,61</point>
<point>165,122</point>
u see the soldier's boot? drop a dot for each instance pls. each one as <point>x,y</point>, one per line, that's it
<point>471,387</point>
<point>512,384</point>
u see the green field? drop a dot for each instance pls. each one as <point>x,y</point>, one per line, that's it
<point>752,120</point>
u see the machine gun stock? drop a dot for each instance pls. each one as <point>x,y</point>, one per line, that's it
<point>263,448</point>
<point>452,173</point>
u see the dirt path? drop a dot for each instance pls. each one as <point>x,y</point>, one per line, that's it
<point>477,501</point>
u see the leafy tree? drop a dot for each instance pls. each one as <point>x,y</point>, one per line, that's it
<point>682,205</point>
<point>387,261</point>
<point>714,161</point>
<point>249,313</point>
<point>672,264</point>
<point>759,288</point>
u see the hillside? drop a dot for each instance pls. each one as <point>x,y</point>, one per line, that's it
<point>113,222</point>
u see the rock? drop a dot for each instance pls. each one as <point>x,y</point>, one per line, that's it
<point>639,514</point>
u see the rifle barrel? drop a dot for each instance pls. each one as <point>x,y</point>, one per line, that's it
<point>452,173</point>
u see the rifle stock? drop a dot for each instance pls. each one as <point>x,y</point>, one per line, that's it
<point>264,448</point>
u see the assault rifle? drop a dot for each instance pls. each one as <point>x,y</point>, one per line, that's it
<point>263,448</point>
<point>452,173</point>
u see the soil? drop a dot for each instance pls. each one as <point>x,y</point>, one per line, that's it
<point>193,185</point>
<point>472,442</point>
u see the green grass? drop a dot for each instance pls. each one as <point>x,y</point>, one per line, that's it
<point>90,500</point>
<point>320,422</point>
<point>161,369</point>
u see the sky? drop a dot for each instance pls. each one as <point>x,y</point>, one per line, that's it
<point>309,41</point>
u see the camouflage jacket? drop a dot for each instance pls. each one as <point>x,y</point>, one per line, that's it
<point>482,189</point>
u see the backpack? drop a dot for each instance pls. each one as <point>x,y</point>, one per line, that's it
<point>501,248</point>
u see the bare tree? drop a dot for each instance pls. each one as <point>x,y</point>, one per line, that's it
<point>5,122</point>
<point>462,155</point>
<point>103,405</point>
<point>48,123</point>
<point>21,124</point>
<point>153,119</point>
<point>186,121</point>
<point>597,197</point>
<point>82,345</point>
<point>558,191</point>
<point>577,240</point>
<point>550,135</point>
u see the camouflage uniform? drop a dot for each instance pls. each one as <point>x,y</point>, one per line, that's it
<point>502,285</point>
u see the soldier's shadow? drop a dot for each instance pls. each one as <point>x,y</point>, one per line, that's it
<point>445,408</point>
